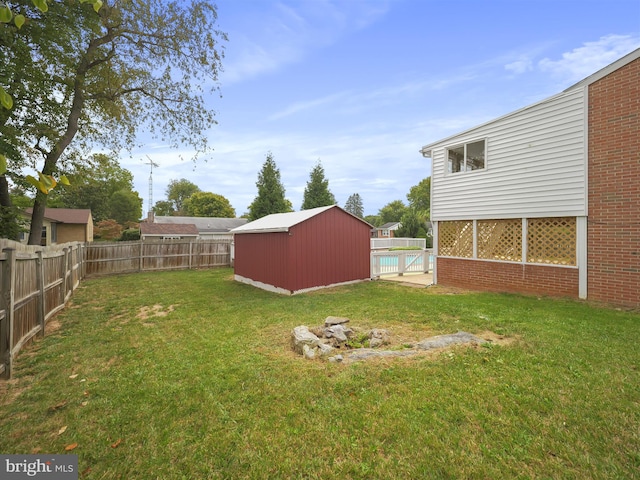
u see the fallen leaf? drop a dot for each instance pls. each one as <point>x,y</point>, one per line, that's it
<point>86,393</point>
<point>36,450</point>
<point>86,471</point>
<point>73,376</point>
<point>62,430</point>
<point>70,447</point>
<point>58,406</point>
<point>83,380</point>
<point>115,445</point>
<point>84,404</point>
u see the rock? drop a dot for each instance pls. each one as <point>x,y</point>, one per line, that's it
<point>308,352</point>
<point>378,337</point>
<point>324,350</point>
<point>338,332</point>
<point>336,359</point>
<point>440,341</point>
<point>365,353</point>
<point>302,336</point>
<point>335,321</point>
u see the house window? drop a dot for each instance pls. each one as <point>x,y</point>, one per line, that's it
<point>466,157</point>
<point>385,232</point>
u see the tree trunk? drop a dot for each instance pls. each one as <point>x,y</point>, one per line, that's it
<point>5,198</point>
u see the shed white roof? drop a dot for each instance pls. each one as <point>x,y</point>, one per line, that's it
<point>280,222</point>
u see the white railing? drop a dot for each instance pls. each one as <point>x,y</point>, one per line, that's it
<point>382,243</point>
<point>400,262</point>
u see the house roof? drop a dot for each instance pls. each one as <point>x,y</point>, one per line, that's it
<point>204,224</point>
<point>187,229</point>
<point>282,222</point>
<point>426,150</point>
<point>389,225</point>
<point>65,215</point>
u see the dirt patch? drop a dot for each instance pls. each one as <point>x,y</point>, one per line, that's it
<point>155,311</point>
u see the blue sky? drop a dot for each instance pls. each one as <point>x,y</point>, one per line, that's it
<point>361,85</point>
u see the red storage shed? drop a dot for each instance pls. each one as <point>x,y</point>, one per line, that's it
<point>301,251</point>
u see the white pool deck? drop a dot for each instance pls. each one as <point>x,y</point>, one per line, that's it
<point>413,279</point>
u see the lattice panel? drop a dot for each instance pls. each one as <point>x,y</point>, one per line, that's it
<point>500,239</point>
<point>551,240</point>
<point>455,239</point>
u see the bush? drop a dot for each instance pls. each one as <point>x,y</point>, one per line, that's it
<point>130,234</point>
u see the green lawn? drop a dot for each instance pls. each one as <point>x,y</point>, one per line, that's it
<point>205,386</point>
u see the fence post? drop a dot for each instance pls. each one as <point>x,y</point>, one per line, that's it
<point>402,263</point>
<point>190,252</point>
<point>61,275</point>
<point>140,264</point>
<point>8,300</point>
<point>41,300</point>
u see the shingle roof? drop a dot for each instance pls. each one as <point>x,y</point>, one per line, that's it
<point>168,229</point>
<point>389,225</point>
<point>205,224</point>
<point>65,215</point>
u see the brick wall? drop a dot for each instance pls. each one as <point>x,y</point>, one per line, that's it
<point>508,277</point>
<point>613,231</point>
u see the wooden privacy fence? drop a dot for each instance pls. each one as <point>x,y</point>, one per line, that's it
<point>130,257</point>
<point>36,282</point>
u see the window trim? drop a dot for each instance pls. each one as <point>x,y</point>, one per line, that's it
<point>464,145</point>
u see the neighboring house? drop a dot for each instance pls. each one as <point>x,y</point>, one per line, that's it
<point>208,227</point>
<point>546,200</point>
<point>167,231</point>
<point>300,251</point>
<point>62,225</point>
<point>387,230</point>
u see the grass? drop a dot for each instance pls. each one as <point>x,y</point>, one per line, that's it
<point>190,375</point>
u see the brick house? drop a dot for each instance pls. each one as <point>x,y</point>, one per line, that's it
<point>546,200</point>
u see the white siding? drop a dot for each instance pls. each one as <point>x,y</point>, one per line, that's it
<point>535,165</point>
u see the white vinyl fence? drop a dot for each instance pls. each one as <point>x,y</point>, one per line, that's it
<point>400,262</point>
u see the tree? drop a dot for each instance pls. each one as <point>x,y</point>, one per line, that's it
<point>354,205</point>
<point>107,230</point>
<point>207,204</point>
<point>178,191</point>
<point>317,193</point>
<point>164,208</point>
<point>419,197</point>
<point>392,212</point>
<point>412,225</point>
<point>94,184</point>
<point>373,220</point>
<point>78,77</point>
<point>125,206</point>
<point>270,198</point>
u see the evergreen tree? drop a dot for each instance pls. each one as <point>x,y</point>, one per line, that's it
<point>354,205</point>
<point>270,197</point>
<point>317,193</point>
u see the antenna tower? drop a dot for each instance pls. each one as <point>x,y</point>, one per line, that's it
<point>151,164</point>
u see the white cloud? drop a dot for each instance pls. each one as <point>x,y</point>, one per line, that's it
<point>520,66</point>
<point>581,62</point>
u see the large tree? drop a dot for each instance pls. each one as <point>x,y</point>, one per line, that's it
<point>94,184</point>
<point>392,212</point>
<point>419,197</point>
<point>317,193</point>
<point>79,77</point>
<point>178,191</point>
<point>270,198</point>
<point>354,205</point>
<point>207,204</point>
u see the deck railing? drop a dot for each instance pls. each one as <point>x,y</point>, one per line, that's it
<point>385,243</point>
<point>400,262</point>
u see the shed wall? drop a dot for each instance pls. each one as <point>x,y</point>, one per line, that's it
<point>613,231</point>
<point>263,257</point>
<point>534,166</point>
<point>330,248</point>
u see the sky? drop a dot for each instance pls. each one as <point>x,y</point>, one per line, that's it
<point>361,85</point>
